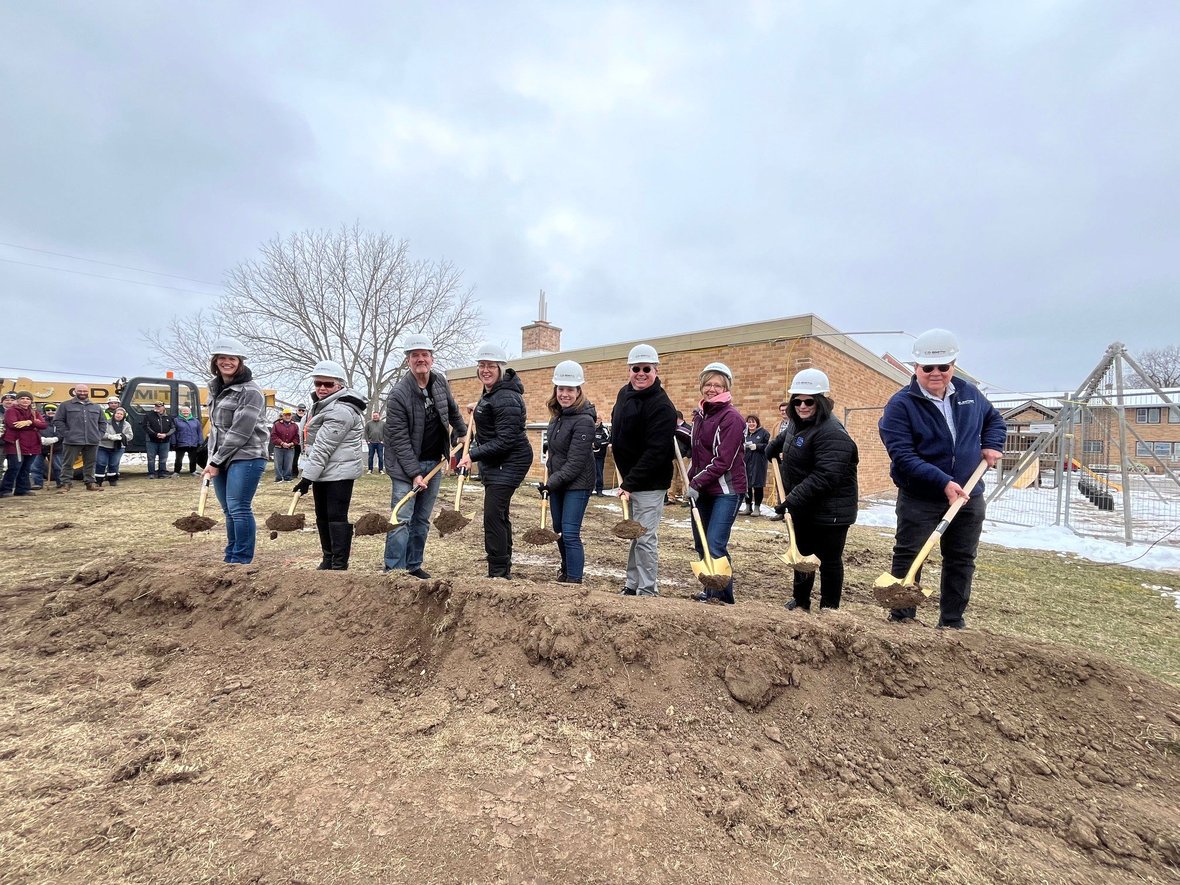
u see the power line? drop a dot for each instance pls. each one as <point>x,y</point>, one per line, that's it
<point>105,277</point>
<point>158,273</point>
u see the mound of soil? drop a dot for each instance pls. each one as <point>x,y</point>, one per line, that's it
<point>449,521</point>
<point>372,524</point>
<point>194,721</point>
<point>281,522</point>
<point>539,536</point>
<point>628,529</point>
<point>193,523</point>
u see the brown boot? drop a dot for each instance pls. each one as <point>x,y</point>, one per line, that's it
<point>93,487</point>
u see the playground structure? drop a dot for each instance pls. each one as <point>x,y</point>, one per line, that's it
<point>1073,467</point>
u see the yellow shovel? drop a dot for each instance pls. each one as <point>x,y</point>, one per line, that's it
<point>887,586</point>
<point>710,570</point>
<point>805,565</point>
<point>414,491</point>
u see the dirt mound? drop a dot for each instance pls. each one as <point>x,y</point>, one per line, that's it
<point>253,723</point>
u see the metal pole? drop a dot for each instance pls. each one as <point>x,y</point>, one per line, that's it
<point>1076,418</point>
<point>1118,380</point>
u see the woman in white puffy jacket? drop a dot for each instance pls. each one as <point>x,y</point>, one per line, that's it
<point>332,459</point>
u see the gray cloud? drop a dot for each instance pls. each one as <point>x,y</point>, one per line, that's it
<point>1009,170</point>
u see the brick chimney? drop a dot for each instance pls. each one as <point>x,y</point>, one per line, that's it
<point>539,337</point>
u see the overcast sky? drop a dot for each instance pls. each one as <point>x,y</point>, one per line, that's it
<point>1009,170</point>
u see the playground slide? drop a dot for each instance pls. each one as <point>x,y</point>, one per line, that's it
<point>1029,476</point>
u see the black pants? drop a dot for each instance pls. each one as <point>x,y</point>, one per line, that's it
<point>754,498</point>
<point>331,505</point>
<point>497,529</point>
<point>295,462</point>
<point>916,520</point>
<point>826,542</point>
<point>181,451</point>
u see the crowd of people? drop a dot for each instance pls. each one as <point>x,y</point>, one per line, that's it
<point>936,430</point>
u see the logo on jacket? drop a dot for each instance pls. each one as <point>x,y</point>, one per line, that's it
<point>966,402</point>
<point>798,442</point>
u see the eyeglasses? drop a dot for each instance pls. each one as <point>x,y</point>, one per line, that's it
<point>642,369</point>
<point>944,367</point>
<point>803,402</point>
<point>324,383</point>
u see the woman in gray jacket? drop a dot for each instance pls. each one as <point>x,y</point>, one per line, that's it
<point>237,444</point>
<point>333,459</point>
<point>116,433</point>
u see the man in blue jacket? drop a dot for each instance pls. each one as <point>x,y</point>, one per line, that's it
<point>936,431</point>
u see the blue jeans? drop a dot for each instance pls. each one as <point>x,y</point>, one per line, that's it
<point>567,509</point>
<point>235,486</point>
<point>37,471</point>
<point>106,463</point>
<point>405,545</point>
<point>377,449</point>
<point>284,458</point>
<point>157,453</point>
<point>16,477</point>
<point>717,516</point>
<point>599,469</point>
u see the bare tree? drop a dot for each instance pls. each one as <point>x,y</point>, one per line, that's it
<point>1162,366</point>
<point>348,295</point>
<point>184,344</point>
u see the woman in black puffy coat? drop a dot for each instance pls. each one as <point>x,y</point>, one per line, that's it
<point>821,461</point>
<point>503,451</point>
<point>571,472</point>
<point>754,450</point>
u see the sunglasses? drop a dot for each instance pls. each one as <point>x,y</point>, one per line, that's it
<point>324,383</point>
<point>642,369</point>
<point>803,402</point>
<point>944,367</point>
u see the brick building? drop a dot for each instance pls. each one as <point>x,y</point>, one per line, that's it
<point>764,357</point>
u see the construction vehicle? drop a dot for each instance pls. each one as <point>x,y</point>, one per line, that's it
<point>137,395</point>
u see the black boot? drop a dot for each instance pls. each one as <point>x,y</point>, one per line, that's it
<point>325,546</point>
<point>113,479</point>
<point>341,544</point>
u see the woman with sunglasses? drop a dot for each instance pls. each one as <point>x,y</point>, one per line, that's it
<point>502,449</point>
<point>717,479</point>
<point>820,464</point>
<point>237,444</point>
<point>334,459</point>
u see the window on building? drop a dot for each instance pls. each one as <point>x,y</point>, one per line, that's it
<point>1092,447</point>
<point>1147,416</point>
<point>1176,451</point>
<point>1142,450</point>
<point>1163,450</point>
<point>1174,415</point>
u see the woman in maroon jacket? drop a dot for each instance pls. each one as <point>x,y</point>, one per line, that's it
<point>717,480</point>
<point>22,444</point>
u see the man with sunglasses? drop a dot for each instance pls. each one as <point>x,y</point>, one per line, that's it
<point>937,430</point>
<point>642,426</point>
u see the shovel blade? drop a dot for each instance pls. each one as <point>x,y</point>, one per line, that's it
<point>698,568</point>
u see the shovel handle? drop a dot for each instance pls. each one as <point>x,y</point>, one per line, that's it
<point>706,556</point>
<point>294,500</point>
<point>626,508</point>
<point>779,491</point>
<point>943,524</point>
<point>544,495</point>
<point>466,447</point>
<point>203,497</point>
<point>416,489</point>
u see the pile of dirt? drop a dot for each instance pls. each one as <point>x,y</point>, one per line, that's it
<point>255,724</point>
<point>450,521</point>
<point>373,524</point>
<point>282,522</point>
<point>539,537</point>
<point>191,523</point>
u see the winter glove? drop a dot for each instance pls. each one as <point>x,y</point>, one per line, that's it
<point>751,446</point>
<point>114,436</point>
<point>303,486</point>
<point>48,440</point>
<point>543,489</point>
<point>694,495</point>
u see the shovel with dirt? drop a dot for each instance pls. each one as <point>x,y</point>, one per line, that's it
<point>289,521</point>
<point>450,520</point>
<point>541,536</point>
<point>805,565</point>
<point>714,572</point>
<point>376,524</point>
<point>629,528</point>
<point>906,592</point>
<point>197,521</point>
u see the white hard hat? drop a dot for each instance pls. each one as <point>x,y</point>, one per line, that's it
<point>809,381</point>
<point>935,346</point>
<point>491,353</point>
<point>720,368</point>
<point>227,346</point>
<point>329,369</point>
<point>567,373</point>
<point>418,341</point>
<point>643,353</point>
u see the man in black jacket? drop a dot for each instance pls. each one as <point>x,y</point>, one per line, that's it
<point>642,425</point>
<point>158,429</point>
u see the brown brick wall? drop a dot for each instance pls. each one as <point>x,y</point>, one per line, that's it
<point>762,373</point>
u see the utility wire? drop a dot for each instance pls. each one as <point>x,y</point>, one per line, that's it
<point>105,277</point>
<point>158,273</point>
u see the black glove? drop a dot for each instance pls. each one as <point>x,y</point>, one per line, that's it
<point>543,489</point>
<point>303,486</point>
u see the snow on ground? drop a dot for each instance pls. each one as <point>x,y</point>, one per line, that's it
<point>1061,539</point>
